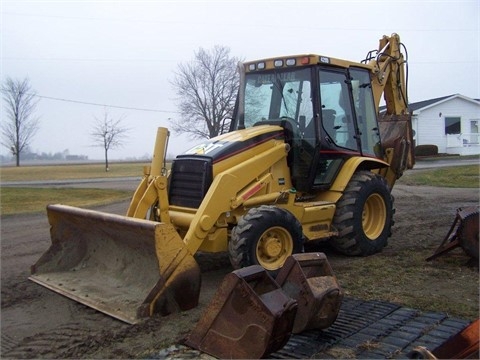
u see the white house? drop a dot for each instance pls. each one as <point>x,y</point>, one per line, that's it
<point>450,122</point>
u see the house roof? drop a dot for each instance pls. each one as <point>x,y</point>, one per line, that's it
<point>421,105</point>
<point>426,103</point>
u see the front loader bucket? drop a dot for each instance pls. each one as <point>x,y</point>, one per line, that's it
<point>249,317</point>
<point>309,279</point>
<point>125,267</point>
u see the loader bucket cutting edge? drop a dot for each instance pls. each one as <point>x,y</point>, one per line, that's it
<point>125,267</point>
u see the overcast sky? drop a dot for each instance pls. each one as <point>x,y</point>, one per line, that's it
<point>124,53</point>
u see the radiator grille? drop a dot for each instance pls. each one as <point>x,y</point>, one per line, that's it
<point>190,180</point>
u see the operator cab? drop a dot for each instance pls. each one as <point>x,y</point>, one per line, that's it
<point>328,113</point>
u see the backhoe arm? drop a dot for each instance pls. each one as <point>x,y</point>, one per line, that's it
<point>389,76</point>
<point>389,80</point>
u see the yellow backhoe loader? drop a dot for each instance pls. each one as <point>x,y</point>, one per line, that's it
<point>307,157</point>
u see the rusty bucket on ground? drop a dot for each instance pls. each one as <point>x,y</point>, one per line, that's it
<point>463,345</point>
<point>248,317</point>
<point>463,233</point>
<point>309,279</point>
<point>125,267</point>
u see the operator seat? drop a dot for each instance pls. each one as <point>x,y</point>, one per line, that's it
<point>328,121</point>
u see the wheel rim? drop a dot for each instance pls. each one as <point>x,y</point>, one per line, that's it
<point>374,216</point>
<point>273,248</point>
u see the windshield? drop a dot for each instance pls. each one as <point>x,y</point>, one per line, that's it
<point>278,94</point>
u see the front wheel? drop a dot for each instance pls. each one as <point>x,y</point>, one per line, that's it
<point>265,236</point>
<point>363,217</point>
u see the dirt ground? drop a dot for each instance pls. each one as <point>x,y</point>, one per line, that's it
<point>37,323</point>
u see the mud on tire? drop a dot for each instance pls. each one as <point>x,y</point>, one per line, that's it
<point>364,215</point>
<point>265,236</point>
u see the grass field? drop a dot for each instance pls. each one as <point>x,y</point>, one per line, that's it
<point>20,200</point>
<point>66,172</point>
<point>456,176</point>
<point>17,200</point>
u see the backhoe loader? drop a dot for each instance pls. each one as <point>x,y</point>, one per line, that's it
<point>307,157</point>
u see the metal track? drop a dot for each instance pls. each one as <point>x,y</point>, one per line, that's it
<point>373,329</point>
<point>363,329</point>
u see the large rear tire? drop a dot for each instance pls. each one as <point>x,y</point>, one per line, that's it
<point>265,236</point>
<point>364,215</point>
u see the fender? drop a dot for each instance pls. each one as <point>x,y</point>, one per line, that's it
<point>351,166</point>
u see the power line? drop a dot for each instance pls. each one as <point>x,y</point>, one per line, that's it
<point>229,23</point>
<point>85,59</point>
<point>104,105</point>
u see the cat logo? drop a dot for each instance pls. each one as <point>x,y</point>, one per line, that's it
<point>204,149</point>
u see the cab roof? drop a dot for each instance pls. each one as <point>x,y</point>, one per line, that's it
<point>293,61</point>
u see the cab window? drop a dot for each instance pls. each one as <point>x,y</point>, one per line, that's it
<point>336,111</point>
<point>365,112</point>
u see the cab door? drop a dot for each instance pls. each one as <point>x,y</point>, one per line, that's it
<point>366,116</point>
<point>335,129</point>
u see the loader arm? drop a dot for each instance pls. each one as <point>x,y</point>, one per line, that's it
<point>153,186</point>
<point>151,191</point>
<point>230,189</point>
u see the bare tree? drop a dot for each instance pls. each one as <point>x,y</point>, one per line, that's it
<point>19,125</point>
<point>108,133</point>
<point>206,89</point>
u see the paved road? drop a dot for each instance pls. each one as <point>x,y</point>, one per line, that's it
<point>427,164</point>
<point>130,183</point>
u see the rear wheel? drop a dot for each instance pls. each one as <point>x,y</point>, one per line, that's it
<point>363,216</point>
<point>265,236</point>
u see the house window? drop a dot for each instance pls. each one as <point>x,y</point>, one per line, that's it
<point>452,125</point>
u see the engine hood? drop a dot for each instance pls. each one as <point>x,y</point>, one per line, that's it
<point>227,145</point>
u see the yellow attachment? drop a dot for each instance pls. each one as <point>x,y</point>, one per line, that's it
<point>125,267</point>
<point>153,187</point>
<point>159,152</point>
<point>147,195</point>
<point>389,76</point>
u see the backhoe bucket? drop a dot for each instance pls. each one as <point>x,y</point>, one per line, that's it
<point>249,317</point>
<point>125,267</point>
<point>309,279</point>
